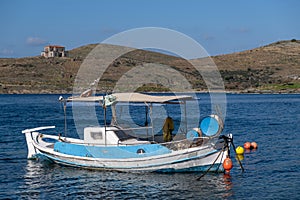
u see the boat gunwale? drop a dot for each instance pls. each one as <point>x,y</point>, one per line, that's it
<point>147,158</point>
<point>130,168</point>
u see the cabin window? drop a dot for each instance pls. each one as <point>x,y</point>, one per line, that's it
<point>96,135</point>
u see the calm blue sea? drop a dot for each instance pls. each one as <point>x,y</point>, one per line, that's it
<point>271,172</point>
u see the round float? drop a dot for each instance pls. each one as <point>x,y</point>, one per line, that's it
<point>239,150</point>
<point>247,145</point>
<point>190,135</point>
<point>211,125</point>
<point>253,145</point>
<point>227,165</point>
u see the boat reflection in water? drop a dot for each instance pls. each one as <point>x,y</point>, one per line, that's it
<point>44,179</point>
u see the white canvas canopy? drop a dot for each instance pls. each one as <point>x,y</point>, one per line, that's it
<point>133,97</point>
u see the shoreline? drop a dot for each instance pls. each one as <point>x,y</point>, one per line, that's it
<point>27,92</point>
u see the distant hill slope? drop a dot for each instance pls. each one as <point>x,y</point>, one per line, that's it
<point>271,68</point>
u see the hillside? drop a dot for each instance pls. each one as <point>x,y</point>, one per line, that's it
<point>274,67</point>
<point>270,68</point>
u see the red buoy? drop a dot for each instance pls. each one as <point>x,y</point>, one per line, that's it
<point>227,164</point>
<point>247,145</point>
<point>253,145</point>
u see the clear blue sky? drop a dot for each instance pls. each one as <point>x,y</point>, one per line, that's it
<point>220,26</point>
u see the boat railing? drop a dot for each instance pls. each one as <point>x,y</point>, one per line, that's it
<point>136,128</point>
<point>182,144</point>
<point>172,145</point>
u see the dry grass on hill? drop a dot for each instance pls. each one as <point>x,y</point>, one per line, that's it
<point>271,68</point>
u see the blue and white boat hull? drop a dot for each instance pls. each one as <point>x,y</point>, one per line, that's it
<point>153,158</point>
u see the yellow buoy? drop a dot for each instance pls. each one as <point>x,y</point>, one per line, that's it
<point>239,150</point>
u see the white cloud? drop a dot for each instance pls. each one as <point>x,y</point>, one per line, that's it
<point>35,41</point>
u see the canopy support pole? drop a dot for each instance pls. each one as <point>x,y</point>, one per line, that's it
<point>151,121</point>
<point>146,119</point>
<point>114,115</point>
<point>185,120</point>
<point>65,113</point>
<point>105,124</point>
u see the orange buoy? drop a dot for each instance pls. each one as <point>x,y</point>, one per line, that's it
<point>247,145</point>
<point>253,145</point>
<point>227,164</point>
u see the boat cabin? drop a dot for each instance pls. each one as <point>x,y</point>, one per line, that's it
<point>109,136</point>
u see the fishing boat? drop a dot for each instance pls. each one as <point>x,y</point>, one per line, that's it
<point>115,147</point>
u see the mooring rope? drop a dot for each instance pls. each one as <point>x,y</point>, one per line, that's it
<point>222,151</point>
